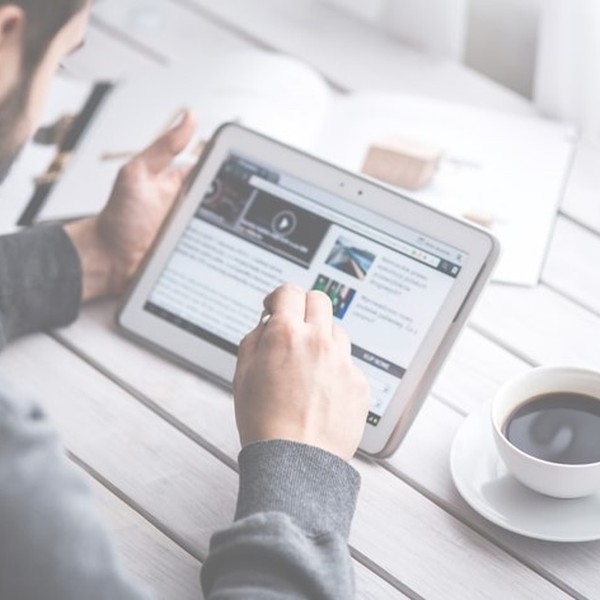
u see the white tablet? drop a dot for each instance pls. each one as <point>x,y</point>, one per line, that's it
<point>402,277</point>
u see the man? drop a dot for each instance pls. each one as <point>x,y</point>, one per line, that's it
<point>300,402</point>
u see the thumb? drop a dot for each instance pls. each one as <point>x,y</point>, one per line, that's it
<point>160,153</point>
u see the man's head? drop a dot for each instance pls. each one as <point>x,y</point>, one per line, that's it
<point>35,36</point>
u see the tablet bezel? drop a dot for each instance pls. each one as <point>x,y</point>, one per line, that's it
<point>361,193</point>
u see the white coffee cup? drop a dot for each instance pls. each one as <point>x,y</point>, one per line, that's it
<point>550,478</point>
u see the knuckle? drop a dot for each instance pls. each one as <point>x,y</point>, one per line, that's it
<point>294,287</point>
<point>289,288</point>
<point>130,169</point>
<point>322,343</point>
<point>284,330</point>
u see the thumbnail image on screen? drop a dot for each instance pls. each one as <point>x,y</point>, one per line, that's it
<point>235,204</point>
<point>349,259</point>
<point>341,295</point>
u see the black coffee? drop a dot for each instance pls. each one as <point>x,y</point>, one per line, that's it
<point>560,427</point>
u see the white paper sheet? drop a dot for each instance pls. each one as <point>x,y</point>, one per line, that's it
<point>511,168</point>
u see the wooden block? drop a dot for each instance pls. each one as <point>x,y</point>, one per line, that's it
<point>401,161</point>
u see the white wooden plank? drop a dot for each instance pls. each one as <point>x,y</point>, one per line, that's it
<point>104,57</point>
<point>146,553</point>
<point>423,457</point>
<point>167,29</point>
<point>582,195</point>
<point>168,476</point>
<point>355,55</point>
<point>389,512</point>
<point>370,586</point>
<point>195,401</point>
<point>474,370</point>
<point>155,465</point>
<point>539,325</point>
<point>572,264</point>
<point>441,558</point>
<point>170,572</point>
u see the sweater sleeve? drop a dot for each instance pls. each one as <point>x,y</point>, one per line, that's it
<point>289,538</point>
<point>40,281</point>
<point>52,542</point>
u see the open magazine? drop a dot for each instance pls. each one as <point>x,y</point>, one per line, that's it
<point>509,169</point>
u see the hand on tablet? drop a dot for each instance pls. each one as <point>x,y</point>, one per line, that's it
<point>113,244</point>
<point>295,379</point>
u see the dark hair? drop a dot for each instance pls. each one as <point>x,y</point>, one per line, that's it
<point>44,19</point>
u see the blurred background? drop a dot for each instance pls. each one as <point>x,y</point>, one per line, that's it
<point>469,78</point>
<point>546,50</point>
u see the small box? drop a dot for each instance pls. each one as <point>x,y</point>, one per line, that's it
<point>403,162</point>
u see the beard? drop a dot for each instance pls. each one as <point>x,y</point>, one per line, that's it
<point>12,116</point>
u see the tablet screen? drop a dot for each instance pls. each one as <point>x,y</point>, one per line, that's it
<point>257,228</point>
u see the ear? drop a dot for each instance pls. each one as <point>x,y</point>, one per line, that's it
<point>12,25</point>
<point>12,21</point>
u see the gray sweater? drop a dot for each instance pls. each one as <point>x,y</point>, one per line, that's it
<point>295,502</point>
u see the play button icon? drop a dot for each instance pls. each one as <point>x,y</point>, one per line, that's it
<point>284,223</point>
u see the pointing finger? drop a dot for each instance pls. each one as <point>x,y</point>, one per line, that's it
<point>318,309</point>
<point>287,300</point>
<point>159,155</point>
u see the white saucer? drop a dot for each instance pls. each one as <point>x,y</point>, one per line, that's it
<point>482,480</point>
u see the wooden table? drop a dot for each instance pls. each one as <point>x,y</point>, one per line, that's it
<point>158,444</point>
